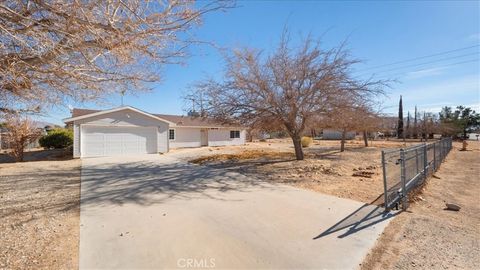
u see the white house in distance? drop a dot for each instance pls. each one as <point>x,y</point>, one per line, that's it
<point>127,130</point>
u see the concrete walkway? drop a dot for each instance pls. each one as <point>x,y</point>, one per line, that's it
<point>157,212</point>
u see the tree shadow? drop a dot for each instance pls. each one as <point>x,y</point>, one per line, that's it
<point>151,182</point>
<point>34,193</point>
<point>39,155</point>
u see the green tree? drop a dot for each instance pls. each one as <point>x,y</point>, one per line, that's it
<point>400,119</point>
<point>467,119</point>
<point>462,120</point>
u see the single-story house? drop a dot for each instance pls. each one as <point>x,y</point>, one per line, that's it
<point>332,134</point>
<point>128,130</point>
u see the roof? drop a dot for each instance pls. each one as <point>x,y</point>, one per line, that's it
<point>178,120</point>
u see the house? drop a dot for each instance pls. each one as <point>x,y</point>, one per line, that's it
<point>128,130</point>
<point>331,134</point>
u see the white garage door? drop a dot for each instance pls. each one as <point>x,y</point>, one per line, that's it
<point>113,141</point>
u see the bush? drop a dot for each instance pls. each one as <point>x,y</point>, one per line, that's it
<point>306,141</point>
<point>57,138</point>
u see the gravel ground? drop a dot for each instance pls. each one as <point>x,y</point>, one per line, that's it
<point>429,237</point>
<point>39,213</point>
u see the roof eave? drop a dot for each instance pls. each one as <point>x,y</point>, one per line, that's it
<point>72,119</point>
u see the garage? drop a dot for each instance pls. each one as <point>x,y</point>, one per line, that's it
<point>117,140</point>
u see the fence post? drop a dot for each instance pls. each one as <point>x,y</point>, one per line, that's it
<point>385,197</point>
<point>442,154</point>
<point>403,180</point>
<point>434,157</point>
<point>425,162</point>
<point>416,160</point>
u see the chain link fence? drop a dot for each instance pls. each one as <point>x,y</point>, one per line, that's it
<point>407,168</point>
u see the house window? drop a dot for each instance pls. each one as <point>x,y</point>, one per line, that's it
<point>234,134</point>
<point>171,134</point>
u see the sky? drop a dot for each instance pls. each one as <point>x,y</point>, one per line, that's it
<point>436,43</point>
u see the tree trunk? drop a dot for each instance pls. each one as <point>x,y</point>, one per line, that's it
<point>297,143</point>
<point>365,138</point>
<point>342,144</point>
<point>249,135</point>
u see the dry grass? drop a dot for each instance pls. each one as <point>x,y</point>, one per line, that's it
<point>244,155</point>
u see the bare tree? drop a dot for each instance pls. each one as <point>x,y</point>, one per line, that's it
<point>369,122</point>
<point>291,87</point>
<point>352,118</point>
<point>21,131</point>
<point>52,50</point>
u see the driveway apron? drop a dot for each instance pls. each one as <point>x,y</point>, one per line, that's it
<point>155,212</point>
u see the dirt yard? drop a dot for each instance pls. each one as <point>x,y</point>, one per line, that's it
<point>424,237</point>
<point>39,214</point>
<point>429,237</point>
<point>354,174</point>
<point>39,202</point>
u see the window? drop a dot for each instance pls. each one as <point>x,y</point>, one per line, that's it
<point>171,134</point>
<point>234,134</point>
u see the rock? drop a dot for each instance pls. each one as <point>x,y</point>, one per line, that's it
<point>452,207</point>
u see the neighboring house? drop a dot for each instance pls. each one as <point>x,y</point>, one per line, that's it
<point>331,134</point>
<point>127,130</point>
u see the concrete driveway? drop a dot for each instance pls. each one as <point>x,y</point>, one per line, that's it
<point>158,212</point>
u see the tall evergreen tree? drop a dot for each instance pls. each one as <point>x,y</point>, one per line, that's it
<point>407,130</point>
<point>415,129</point>
<point>400,119</point>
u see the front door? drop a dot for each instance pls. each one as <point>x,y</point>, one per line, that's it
<point>204,137</point>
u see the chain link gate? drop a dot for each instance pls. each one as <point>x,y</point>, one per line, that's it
<point>407,168</point>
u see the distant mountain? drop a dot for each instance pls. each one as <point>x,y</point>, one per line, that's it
<point>42,124</point>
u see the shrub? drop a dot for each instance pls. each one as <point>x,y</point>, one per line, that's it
<point>306,141</point>
<point>57,138</point>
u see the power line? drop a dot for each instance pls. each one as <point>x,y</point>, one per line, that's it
<point>423,57</point>
<point>421,64</point>
<point>453,64</point>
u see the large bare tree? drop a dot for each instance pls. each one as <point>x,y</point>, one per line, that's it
<point>292,86</point>
<point>52,50</point>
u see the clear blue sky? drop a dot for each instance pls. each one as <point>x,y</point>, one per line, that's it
<point>378,32</point>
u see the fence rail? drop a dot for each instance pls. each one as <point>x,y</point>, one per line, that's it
<point>406,168</point>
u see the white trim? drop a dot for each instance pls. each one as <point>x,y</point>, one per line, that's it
<point>207,127</point>
<point>115,125</point>
<point>71,119</point>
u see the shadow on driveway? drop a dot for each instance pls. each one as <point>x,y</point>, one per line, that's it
<point>147,182</point>
<point>365,216</point>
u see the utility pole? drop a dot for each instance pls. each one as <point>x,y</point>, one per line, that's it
<point>122,93</point>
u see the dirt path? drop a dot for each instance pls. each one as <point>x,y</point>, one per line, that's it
<point>39,215</point>
<point>427,236</point>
